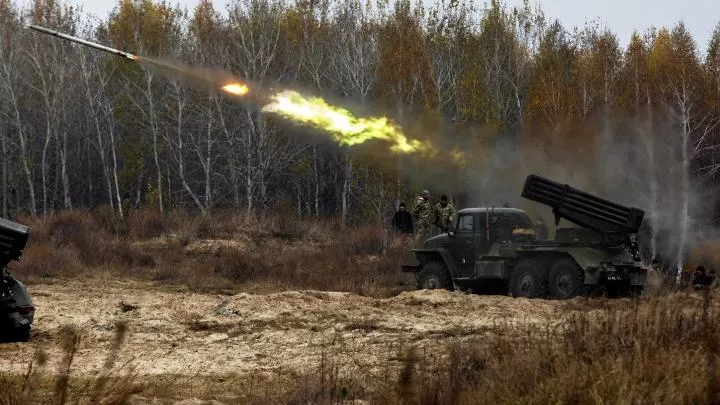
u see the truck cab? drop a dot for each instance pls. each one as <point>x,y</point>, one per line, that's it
<point>476,230</point>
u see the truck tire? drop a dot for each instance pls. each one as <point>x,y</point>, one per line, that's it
<point>22,334</point>
<point>529,279</point>
<point>566,279</point>
<point>434,275</point>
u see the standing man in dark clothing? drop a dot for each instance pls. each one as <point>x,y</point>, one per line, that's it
<point>541,230</point>
<point>402,221</point>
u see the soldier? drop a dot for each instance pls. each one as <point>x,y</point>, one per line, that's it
<point>445,214</point>
<point>424,214</point>
<point>402,221</point>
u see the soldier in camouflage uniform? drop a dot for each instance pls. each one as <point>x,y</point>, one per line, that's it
<point>424,215</point>
<point>445,214</point>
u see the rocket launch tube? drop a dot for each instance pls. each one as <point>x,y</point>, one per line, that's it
<point>84,42</point>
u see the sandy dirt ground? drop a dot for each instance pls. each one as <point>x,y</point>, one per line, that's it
<point>182,333</point>
<point>189,333</point>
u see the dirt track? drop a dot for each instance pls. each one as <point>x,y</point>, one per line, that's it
<point>184,333</point>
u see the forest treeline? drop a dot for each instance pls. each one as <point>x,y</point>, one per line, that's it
<point>81,128</point>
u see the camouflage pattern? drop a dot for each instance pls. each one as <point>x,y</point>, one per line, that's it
<point>424,215</point>
<point>445,215</point>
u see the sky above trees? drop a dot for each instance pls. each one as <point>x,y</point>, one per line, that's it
<point>621,16</point>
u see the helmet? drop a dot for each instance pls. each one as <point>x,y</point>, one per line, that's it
<point>425,193</point>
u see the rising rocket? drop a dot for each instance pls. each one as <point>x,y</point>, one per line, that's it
<point>84,42</point>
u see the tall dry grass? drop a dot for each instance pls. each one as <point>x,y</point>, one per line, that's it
<point>654,351</point>
<point>221,251</point>
<point>112,385</point>
<point>647,351</point>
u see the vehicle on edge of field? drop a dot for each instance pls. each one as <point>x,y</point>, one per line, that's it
<point>17,310</point>
<point>496,249</point>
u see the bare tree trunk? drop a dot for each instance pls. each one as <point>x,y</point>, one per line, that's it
<point>346,192</point>
<point>89,201</point>
<point>654,215</point>
<point>181,148</point>
<point>9,85</point>
<point>138,191</point>
<point>64,172</point>
<point>261,164</point>
<point>154,129</point>
<point>317,181</point>
<point>43,165</point>
<point>685,190</point>
<point>95,113</point>
<point>156,157</point>
<point>28,173</point>
<point>5,168</point>
<point>208,159</point>
<point>249,181</point>
<point>118,197</point>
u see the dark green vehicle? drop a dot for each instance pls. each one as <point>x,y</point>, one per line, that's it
<point>17,310</point>
<point>495,249</point>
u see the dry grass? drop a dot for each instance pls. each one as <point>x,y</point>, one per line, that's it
<point>216,252</point>
<point>656,351</point>
<point>661,349</point>
<point>112,385</point>
<point>653,351</point>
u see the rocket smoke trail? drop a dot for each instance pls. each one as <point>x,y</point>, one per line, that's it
<point>341,124</point>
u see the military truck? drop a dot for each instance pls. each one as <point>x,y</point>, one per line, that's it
<point>496,248</point>
<point>17,310</point>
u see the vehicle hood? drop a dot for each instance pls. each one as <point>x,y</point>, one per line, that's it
<point>437,241</point>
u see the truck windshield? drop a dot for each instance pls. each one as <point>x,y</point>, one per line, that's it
<point>511,227</point>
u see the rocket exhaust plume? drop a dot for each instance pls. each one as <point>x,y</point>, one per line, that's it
<point>343,126</point>
<point>84,42</point>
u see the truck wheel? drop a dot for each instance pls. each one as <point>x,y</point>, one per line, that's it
<point>566,279</point>
<point>434,275</point>
<point>528,280</point>
<point>22,334</point>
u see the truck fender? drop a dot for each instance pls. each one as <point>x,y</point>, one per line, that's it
<point>442,255</point>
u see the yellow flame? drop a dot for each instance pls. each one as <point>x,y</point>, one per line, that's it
<point>345,128</point>
<point>239,89</point>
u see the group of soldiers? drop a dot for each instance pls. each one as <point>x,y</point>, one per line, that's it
<point>430,218</point>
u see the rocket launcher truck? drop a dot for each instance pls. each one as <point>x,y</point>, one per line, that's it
<point>17,310</point>
<point>496,248</point>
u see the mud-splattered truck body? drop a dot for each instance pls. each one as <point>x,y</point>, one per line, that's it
<point>496,249</point>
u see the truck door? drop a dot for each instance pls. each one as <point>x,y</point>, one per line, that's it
<point>482,237</point>
<point>462,247</point>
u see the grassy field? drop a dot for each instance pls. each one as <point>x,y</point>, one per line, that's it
<point>215,253</point>
<point>651,351</point>
<point>659,349</point>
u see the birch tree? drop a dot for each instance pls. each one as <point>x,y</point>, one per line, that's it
<point>448,27</point>
<point>51,63</point>
<point>354,69</point>
<point>256,35</point>
<point>146,29</point>
<point>678,80</point>
<point>13,85</point>
<point>312,40</point>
